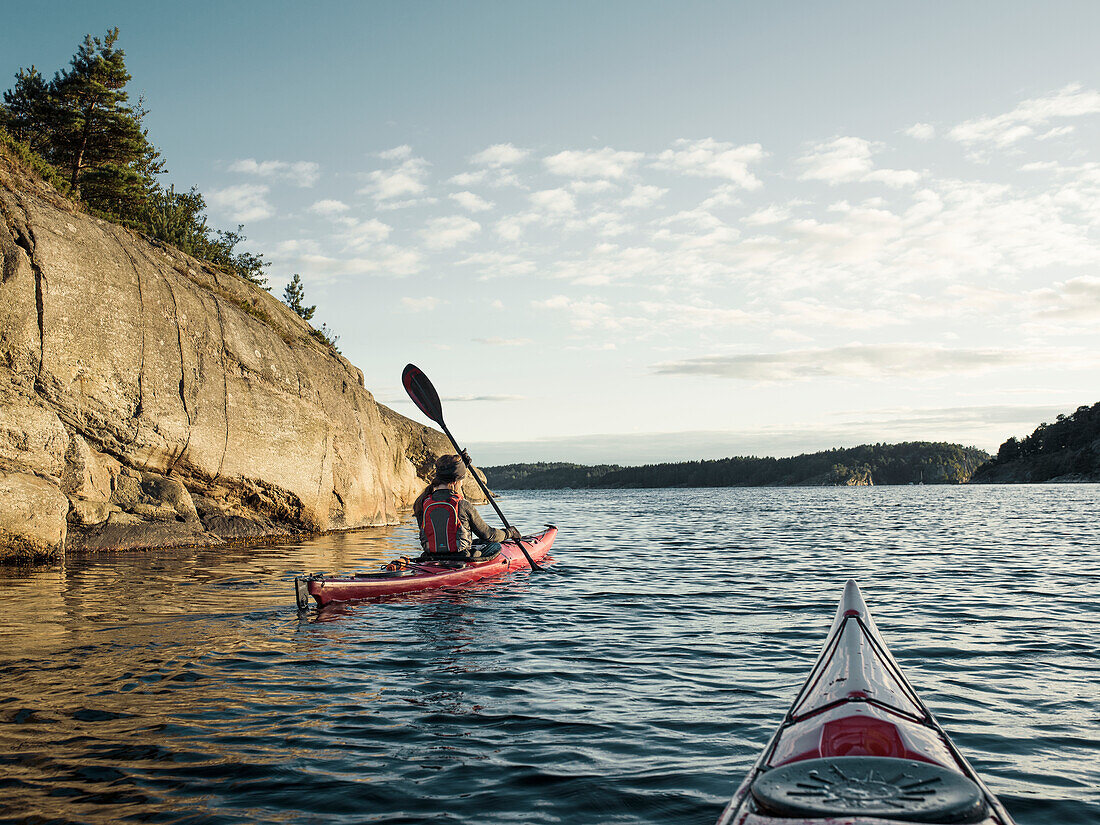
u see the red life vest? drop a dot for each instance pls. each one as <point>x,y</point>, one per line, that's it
<point>440,524</point>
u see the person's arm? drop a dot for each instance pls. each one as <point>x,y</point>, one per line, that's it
<point>418,506</point>
<point>482,530</point>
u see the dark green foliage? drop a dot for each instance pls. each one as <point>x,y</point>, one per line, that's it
<point>25,109</point>
<point>909,463</point>
<point>95,136</point>
<point>1068,447</point>
<point>31,160</point>
<point>326,336</point>
<point>81,126</point>
<point>294,295</point>
<point>546,475</point>
<point>179,219</point>
<point>248,265</point>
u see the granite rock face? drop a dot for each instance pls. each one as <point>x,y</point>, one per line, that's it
<point>32,516</point>
<point>166,402</point>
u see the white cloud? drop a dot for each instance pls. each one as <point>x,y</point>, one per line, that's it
<point>592,187</point>
<point>697,315</point>
<point>303,173</point>
<point>643,195</point>
<point>499,154</point>
<point>812,312</point>
<point>554,201</point>
<point>724,195</point>
<point>406,179</point>
<point>768,215</point>
<point>512,227</point>
<point>471,202</point>
<point>384,259</point>
<point>846,159</point>
<point>583,313</point>
<point>402,152</point>
<point>287,248</point>
<point>852,361</point>
<point>426,304</point>
<point>360,235</point>
<point>840,160</point>
<point>1077,299</point>
<point>697,218</point>
<point>502,342</point>
<point>593,163</point>
<point>446,233</point>
<point>921,131</point>
<point>245,202</point>
<point>1028,117</point>
<point>498,264</point>
<point>610,263</point>
<point>393,206</point>
<point>894,178</point>
<point>708,158</point>
<point>1057,131</point>
<point>328,207</point>
<point>608,224</point>
<point>468,178</point>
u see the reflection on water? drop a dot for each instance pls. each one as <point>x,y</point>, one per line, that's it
<point>635,685</point>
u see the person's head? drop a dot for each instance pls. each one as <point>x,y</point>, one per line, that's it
<point>449,471</point>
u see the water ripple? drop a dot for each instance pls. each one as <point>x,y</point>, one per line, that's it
<point>634,685</point>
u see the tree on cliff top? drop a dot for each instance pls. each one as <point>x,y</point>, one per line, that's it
<point>96,136</point>
<point>24,111</point>
<point>294,295</point>
<point>179,219</point>
<point>83,127</point>
<point>82,123</point>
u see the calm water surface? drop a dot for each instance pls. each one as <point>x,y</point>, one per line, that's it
<point>635,685</point>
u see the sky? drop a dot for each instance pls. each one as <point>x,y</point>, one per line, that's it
<point>630,232</point>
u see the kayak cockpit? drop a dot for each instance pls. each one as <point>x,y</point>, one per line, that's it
<point>902,790</point>
<point>858,746</point>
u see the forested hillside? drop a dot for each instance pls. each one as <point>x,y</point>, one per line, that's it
<point>1068,449</point>
<point>908,463</point>
<point>546,475</point>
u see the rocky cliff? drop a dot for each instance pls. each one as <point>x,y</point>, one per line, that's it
<point>149,400</point>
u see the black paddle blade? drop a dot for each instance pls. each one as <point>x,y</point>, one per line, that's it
<point>422,392</point>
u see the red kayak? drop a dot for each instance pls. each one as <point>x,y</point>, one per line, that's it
<point>859,747</point>
<point>422,575</point>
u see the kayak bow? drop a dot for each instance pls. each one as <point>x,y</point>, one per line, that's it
<point>424,575</point>
<point>859,747</point>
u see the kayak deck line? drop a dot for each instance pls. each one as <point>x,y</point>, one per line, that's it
<point>423,575</point>
<point>859,747</point>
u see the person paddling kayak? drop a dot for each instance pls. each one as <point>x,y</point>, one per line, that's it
<point>448,523</point>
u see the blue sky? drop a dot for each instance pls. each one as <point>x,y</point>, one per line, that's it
<point>636,231</point>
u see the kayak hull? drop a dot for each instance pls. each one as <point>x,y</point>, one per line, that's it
<point>423,576</point>
<point>859,747</point>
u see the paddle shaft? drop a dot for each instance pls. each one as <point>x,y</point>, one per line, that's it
<point>488,495</point>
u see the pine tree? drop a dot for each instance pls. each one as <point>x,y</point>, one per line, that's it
<point>81,126</point>
<point>26,108</point>
<point>96,137</point>
<point>294,295</point>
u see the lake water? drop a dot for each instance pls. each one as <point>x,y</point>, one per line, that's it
<point>636,684</point>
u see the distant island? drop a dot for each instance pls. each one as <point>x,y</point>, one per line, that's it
<point>1067,450</point>
<point>918,462</point>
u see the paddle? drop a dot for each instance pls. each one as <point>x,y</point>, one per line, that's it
<point>425,397</point>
